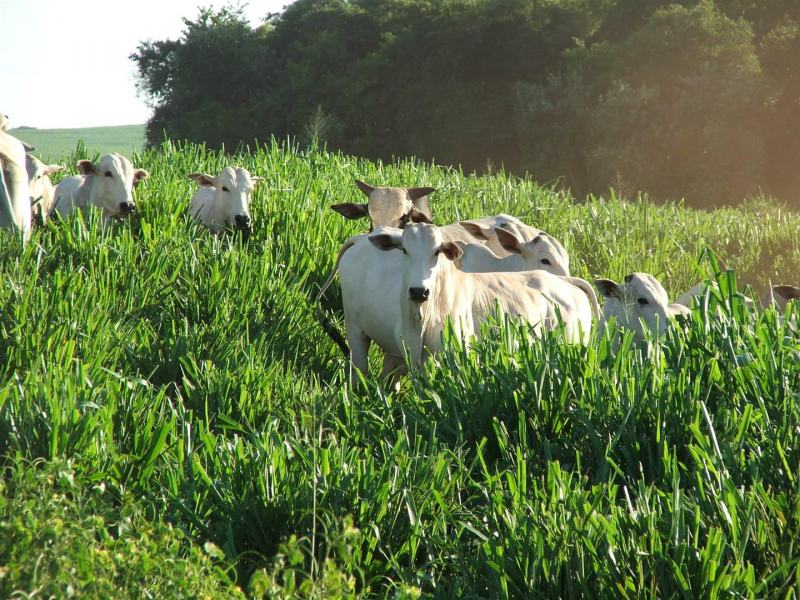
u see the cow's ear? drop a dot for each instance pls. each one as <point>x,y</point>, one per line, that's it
<point>474,229</point>
<point>609,288</point>
<point>451,250</point>
<point>365,187</point>
<point>85,167</point>
<point>203,180</point>
<point>140,174</point>
<point>386,241</point>
<point>787,292</point>
<point>508,240</point>
<point>28,147</point>
<point>352,211</point>
<point>419,192</point>
<point>50,169</point>
<point>417,216</point>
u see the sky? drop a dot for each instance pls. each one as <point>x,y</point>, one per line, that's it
<point>65,63</point>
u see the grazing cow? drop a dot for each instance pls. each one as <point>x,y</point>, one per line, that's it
<point>107,184</point>
<point>224,200</point>
<point>543,252</point>
<point>639,302</point>
<point>433,290</point>
<point>41,188</point>
<point>15,197</point>
<point>485,230</point>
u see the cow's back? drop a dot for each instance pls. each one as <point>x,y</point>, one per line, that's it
<point>71,193</point>
<point>201,206</point>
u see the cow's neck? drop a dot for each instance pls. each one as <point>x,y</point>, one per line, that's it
<point>450,297</point>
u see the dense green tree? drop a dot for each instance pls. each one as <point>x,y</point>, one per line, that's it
<point>679,98</point>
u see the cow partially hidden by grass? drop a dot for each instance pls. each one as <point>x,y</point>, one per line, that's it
<point>107,184</point>
<point>432,290</point>
<point>223,201</point>
<point>41,188</point>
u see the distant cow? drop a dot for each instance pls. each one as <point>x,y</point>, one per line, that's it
<point>388,206</point>
<point>106,184</point>
<point>434,290</point>
<point>641,301</point>
<point>15,198</point>
<point>41,188</point>
<point>223,200</point>
<point>778,296</point>
<point>543,252</point>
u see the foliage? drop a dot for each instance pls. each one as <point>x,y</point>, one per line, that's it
<point>64,538</point>
<point>687,98</point>
<point>180,378</point>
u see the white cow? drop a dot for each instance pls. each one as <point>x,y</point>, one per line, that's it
<point>223,200</point>
<point>543,252</point>
<point>486,230</point>
<point>434,290</point>
<point>41,188</point>
<point>107,184</point>
<point>388,206</point>
<point>641,302</point>
<point>15,197</point>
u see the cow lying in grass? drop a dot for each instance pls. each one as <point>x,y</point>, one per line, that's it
<point>640,303</point>
<point>107,184</point>
<point>223,201</point>
<point>433,290</point>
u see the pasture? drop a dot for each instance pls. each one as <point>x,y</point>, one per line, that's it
<point>173,418</point>
<point>58,143</point>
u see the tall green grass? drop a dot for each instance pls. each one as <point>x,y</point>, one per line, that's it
<point>184,379</point>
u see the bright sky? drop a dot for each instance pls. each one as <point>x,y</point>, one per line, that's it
<point>65,63</point>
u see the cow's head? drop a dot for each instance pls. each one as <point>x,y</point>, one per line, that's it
<point>114,180</point>
<point>641,301</point>
<point>543,252</point>
<point>424,249</point>
<point>389,206</point>
<point>232,189</point>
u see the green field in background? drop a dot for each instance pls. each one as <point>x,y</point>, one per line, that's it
<point>57,143</point>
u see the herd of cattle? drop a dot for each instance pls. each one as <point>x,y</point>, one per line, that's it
<point>402,281</point>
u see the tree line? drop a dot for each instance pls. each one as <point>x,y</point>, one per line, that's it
<point>695,99</point>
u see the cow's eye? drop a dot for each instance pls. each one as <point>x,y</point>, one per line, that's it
<point>224,189</point>
<point>108,174</point>
<point>546,261</point>
<point>643,301</point>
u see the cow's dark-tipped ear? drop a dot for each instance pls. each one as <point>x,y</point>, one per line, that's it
<point>419,192</point>
<point>85,167</point>
<point>609,288</point>
<point>508,240</point>
<point>203,180</point>
<point>352,211</point>
<point>386,241</point>
<point>474,229</point>
<point>365,187</point>
<point>451,250</point>
<point>139,175</point>
<point>417,216</point>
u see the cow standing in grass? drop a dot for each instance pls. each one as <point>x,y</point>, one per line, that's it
<point>15,197</point>
<point>433,290</point>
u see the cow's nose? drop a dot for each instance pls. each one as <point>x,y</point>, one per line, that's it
<point>242,221</point>
<point>419,294</point>
<point>127,208</point>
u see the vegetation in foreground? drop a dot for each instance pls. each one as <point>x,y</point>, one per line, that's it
<point>174,421</point>
<point>59,143</point>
